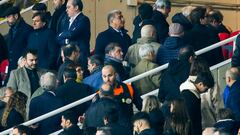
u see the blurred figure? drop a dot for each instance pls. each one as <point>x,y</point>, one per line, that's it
<point>178,122</point>
<point>21,130</point>
<point>21,62</point>
<point>151,105</point>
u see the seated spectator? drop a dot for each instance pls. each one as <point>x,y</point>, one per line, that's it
<point>45,103</point>
<point>13,112</point>
<point>183,18</point>
<point>178,122</point>
<point>95,64</point>
<point>170,49</point>
<point>151,106</point>
<point>72,91</point>
<point>111,119</point>
<point>141,124</point>
<point>148,36</point>
<point>21,130</point>
<point>145,11</point>
<point>114,57</point>
<point>150,82</point>
<point>70,54</point>
<point>69,124</point>
<point>226,121</point>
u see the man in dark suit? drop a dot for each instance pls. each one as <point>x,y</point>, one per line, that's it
<point>72,91</point>
<point>78,30</point>
<point>17,36</point>
<point>115,33</point>
<point>43,40</point>
<point>45,103</point>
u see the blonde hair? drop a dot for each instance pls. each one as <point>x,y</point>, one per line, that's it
<point>150,103</point>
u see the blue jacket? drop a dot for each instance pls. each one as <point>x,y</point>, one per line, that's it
<point>169,50</point>
<point>43,104</point>
<point>233,100</point>
<point>94,80</point>
<point>43,40</point>
<point>108,36</point>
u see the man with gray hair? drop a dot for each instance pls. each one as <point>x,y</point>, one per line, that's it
<point>161,10</point>
<point>232,92</point>
<point>149,83</point>
<point>115,33</point>
<point>148,36</point>
<point>45,103</point>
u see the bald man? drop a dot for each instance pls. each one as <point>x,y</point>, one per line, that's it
<point>148,36</point>
<point>232,92</point>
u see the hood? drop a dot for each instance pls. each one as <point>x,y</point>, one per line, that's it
<point>188,85</point>
<point>173,43</point>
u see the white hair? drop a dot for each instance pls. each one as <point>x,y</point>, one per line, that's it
<point>145,50</point>
<point>148,31</point>
<point>48,81</point>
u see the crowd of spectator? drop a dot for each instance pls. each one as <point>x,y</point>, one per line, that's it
<point>50,66</point>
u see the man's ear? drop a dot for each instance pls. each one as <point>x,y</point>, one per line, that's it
<point>68,122</point>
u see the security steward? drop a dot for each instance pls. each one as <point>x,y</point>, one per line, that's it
<point>125,94</point>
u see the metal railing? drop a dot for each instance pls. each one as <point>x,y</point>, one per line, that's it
<point>150,72</point>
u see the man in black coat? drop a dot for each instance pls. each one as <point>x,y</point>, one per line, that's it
<point>72,91</point>
<point>17,36</point>
<point>45,103</point>
<point>161,10</point>
<point>43,40</point>
<point>115,33</point>
<point>69,124</point>
<point>78,31</point>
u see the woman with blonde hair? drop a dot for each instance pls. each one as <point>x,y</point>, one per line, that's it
<point>151,105</point>
<point>14,111</point>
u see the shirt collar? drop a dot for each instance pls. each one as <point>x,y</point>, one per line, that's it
<point>74,17</point>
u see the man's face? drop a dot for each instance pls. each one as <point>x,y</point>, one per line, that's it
<point>37,23</point>
<point>15,132</point>
<point>91,66</point>
<point>12,19</point>
<point>118,21</point>
<point>117,53</point>
<point>7,94</point>
<point>201,87</point>
<point>108,75</point>
<point>71,9</point>
<point>31,61</point>
<point>57,3</point>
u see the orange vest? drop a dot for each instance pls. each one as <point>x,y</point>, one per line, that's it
<point>119,90</point>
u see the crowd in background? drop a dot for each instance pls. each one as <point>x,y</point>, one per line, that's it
<point>51,65</point>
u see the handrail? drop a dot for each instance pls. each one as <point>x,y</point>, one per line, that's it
<point>155,92</point>
<point>150,72</point>
<point>3,1</point>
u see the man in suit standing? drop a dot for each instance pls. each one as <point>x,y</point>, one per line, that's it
<point>78,30</point>
<point>115,33</point>
<point>17,36</point>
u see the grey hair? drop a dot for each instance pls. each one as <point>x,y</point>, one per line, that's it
<point>160,4</point>
<point>145,50</point>
<point>150,103</point>
<point>233,73</point>
<point>48,81</point>
<point>148,31</point>
<point>112,14</point>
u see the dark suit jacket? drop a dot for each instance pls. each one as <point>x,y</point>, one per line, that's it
<point>17,42</point>
<point>43,40</point>
<point>108,36</point>
<point>43,104</point>
<point>72,91</point>
<point>79,34</point>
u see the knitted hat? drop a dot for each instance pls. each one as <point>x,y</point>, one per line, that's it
<point>175,29</point>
